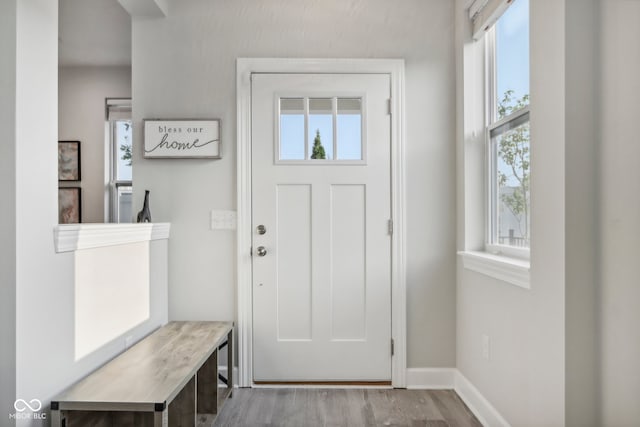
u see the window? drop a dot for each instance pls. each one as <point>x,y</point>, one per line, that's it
<point>508,140</point>
<point>119,145</point>
<point>320,128</point>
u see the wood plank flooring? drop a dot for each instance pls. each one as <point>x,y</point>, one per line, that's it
<point>297,407</point>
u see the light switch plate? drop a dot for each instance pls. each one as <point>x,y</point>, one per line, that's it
<point>223,220</point>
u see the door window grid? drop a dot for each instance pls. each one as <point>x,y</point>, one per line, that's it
<point>320,130</point>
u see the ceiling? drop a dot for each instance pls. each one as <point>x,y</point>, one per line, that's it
<point>93,33</point>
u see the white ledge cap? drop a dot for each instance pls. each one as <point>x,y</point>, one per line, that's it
<point>73,237</point>
<point>510,270</point>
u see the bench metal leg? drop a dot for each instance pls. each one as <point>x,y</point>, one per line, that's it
<point>230,362</point>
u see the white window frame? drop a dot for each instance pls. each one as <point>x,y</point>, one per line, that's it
<point>475,255</point>
<point>491,169</point>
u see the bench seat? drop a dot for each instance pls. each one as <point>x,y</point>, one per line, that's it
<point>168,378</point>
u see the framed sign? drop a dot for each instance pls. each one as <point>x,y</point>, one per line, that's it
<point>182,139</point>
<point>68,160</point>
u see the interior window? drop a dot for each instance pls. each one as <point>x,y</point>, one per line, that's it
<point>120,146</point>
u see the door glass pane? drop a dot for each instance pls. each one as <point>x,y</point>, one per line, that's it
<point>349,129</point>
<point>321,128</point>
<point>292,129</point>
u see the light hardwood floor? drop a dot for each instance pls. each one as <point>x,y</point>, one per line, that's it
<point>297,407</point>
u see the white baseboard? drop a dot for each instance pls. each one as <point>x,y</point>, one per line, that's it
<point>452,378</point>
<point>477,403</point>
<point>223,370</point>
<point>438,379</point>
<point>324,386</point>
<point>431,378</point>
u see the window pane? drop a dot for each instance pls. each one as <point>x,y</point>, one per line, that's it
<point>512,59</point>
<point>511,186</point>
<point>292,129</point>
<point>125,208</point>
<point>349,129</point>
<point>123,150</point>
<point>321,128</point>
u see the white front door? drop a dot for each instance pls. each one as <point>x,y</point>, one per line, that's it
<point>321,205</point>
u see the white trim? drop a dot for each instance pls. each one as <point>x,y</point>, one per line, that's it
<point>423,379</point>
<point>477,403</point>
<point>453,379</point>
<point>395,68</point>
<point>398,214</point>
<point>507,251</point>
<point>476,7</point>
<point>510,270</point>
<point>324,386</point>
<point>510,118</point>
<point>431,378</point>
<point>223,371</point>
<point>486,14</point>
<point>243,232</point>
<point>73,237</point>
<point>145,9</point>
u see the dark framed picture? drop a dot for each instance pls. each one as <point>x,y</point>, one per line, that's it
<point>68,160</point>
<point>69,205</point>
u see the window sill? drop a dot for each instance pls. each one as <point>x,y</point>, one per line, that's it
<point>511,270</point>
<point>73,237</point>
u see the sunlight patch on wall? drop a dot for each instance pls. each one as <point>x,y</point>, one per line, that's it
<point>111,294</point>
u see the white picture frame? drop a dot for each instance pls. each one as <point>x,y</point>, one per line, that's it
<point>182,139</point>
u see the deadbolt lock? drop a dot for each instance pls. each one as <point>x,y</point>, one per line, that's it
<point>261,229</point>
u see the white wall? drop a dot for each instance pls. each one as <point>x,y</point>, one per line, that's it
<point>582,140</point>
<point>81,96</point>
<point>8,212</point>
<point>524,376</point>
<point>184,66</point>
<point>44,281</point>
<point>42,277</point>
<point>585,63</point>
<point>620,212</point>
<point>108,303</point>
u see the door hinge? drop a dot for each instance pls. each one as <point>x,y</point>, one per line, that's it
<point>389,106</point>
<point>390,227</point>
<point>392,348</point>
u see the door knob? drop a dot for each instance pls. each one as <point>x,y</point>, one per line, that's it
<point>261,251</point>
<point>261,229</point>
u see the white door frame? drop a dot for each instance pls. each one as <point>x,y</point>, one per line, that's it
<point>245,67</point>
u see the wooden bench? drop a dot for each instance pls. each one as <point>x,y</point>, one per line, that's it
<point>170,378</point>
